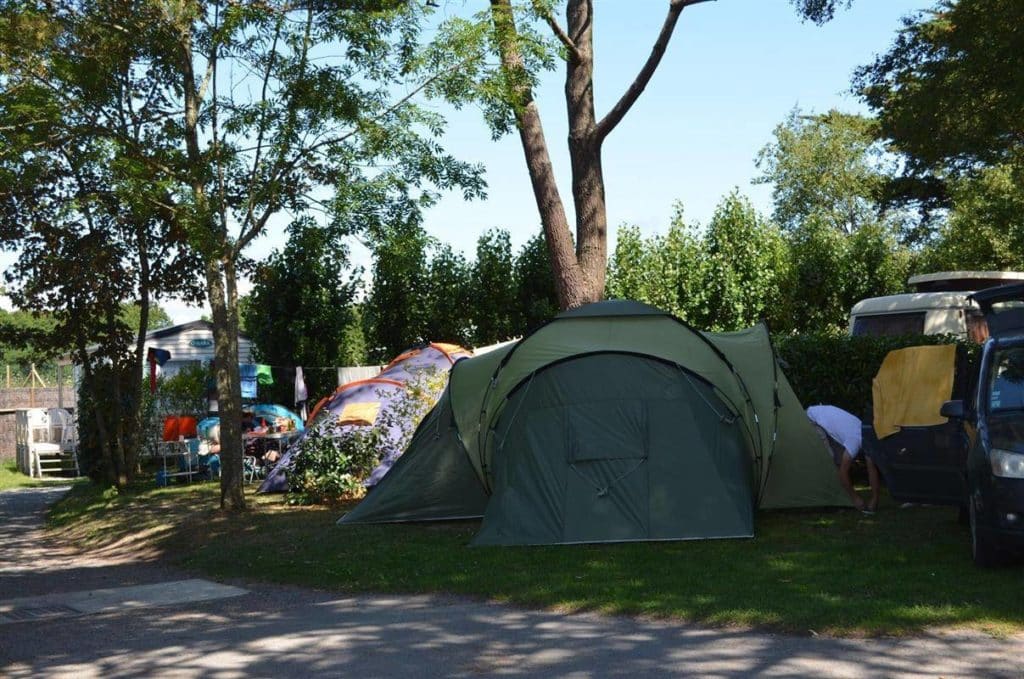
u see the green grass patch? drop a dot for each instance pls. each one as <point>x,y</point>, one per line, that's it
<point>11,478</point>
<point>897,572</point>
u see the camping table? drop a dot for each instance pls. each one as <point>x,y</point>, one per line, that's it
<point>278,440</point>
<point>176,450</point>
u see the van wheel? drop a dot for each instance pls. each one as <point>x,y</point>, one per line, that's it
<point>982,549</point>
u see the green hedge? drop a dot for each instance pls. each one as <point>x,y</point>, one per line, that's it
<point>838,369</point>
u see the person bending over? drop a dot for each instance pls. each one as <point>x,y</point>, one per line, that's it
<point>841,432</point>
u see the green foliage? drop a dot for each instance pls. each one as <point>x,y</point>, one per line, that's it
<point>449,294</point>
<point>826,367</point>
<point>665,271</point>
<point>471,44</point>
<point>536,297</point>
<point>745,267</point>
<point>827,173</point>
<point>353,339</point>
<point>830,272</point>
<point>425,291</point>
<point>742,269</point>
<point>984,229</point>
<point>194,127</point>
<point>828,169</point>
<point>80,207</point>
<point>24,337</point>
<point>158,317</point>
<point>110,428</point>
<point>302,302</point>
<point>334,461</point>
<point>949,92</point>
<point>494,314</point>
<point>728,276</point>
<point>819,11</point>
<point>184,393</point>
<point>333,467</point>
<point>394,310</point>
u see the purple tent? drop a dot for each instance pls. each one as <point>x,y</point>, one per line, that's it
<point>341,411</point>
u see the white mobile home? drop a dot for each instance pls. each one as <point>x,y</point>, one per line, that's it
<point>191,344</point>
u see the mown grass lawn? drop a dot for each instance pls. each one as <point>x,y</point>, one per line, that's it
<point>11,478</point>
<point>830,572</point>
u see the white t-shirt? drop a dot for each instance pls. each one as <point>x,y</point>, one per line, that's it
<point>840,425</point>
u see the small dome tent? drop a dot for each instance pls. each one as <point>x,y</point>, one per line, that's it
<point>363,402</point>
<point>615,421</point>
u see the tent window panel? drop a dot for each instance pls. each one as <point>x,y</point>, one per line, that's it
<point>607,430</point>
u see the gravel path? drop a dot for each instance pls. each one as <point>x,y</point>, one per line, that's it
<point>285,632</point>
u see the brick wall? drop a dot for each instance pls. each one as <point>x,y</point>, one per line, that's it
<point>26,398</point>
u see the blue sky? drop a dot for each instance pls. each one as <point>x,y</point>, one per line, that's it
<point>733,71</point>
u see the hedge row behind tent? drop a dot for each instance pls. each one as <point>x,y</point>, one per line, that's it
<point>615,421</point>
<point>363,402</point>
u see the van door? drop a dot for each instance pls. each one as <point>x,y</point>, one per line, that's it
<point>927,462</point>
<point>922,464</point>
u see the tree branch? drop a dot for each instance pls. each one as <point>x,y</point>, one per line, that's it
<point>615,116</point>
<point>559,32</point>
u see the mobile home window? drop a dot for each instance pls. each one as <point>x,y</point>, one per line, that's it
<point>890,324</point>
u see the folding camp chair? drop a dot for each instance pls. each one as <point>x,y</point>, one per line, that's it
<point>250,469</point>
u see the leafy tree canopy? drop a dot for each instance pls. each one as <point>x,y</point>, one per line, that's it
<point>829,168</point>
<point>23,336</point>
<point>158,317</point>
<point>949,93</point>
<point>727,276</point>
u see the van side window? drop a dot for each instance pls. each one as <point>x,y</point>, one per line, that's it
<point>889,324</point>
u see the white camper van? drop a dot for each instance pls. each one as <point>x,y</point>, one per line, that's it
<point>938,305</point>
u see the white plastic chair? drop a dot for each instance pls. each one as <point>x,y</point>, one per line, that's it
<point>40,441</point>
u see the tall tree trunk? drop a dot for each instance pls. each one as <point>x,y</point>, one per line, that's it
<point>570,283</point>
<point>90,385</point>
<point>116,412</point>
<point>133,414</point>
<point>229,393</point>
<point>579,275</point>
<point>220,290</point>
<point>585,151</point>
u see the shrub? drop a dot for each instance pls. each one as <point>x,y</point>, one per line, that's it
<point>334,462</point>
<point>332,466</point>
<point>838,369</point>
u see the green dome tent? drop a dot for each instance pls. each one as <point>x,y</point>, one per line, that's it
<point>615,421</point>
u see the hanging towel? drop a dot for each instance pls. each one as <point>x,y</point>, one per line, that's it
<point>155,357</point>
<point>248,374</point>
<point>264,375</point>
<point>911,386</point>
<point>301,393</point>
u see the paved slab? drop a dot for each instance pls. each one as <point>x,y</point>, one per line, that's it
<point>294,632</point>
<point>117,599</point>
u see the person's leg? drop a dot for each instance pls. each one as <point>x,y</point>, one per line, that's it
<point>844,481</point>
<point>875,482</point>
